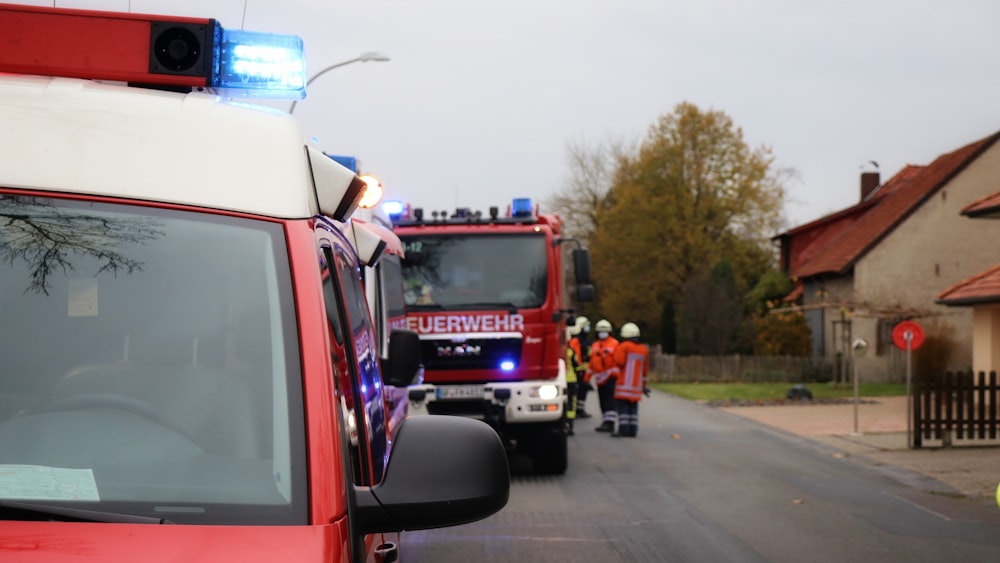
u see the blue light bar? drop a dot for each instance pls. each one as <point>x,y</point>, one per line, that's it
<point>507,365</point>
<point>392,208</point>
<point>521,207</point>
<point>348,162</point>
<point>252,64</point>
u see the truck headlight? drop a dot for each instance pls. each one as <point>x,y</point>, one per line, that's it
<point>547,392</point>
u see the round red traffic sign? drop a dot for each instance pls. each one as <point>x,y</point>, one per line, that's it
<point>908,330</point>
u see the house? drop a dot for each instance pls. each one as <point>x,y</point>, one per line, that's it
<point>863,269</point>
<point>981,293</point>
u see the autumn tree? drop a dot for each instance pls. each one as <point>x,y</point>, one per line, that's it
<point>693,194</point>
<point>784,333</point>
<point>772,286</point>
<point>668,328</point>
<point>712,313</point>
<point>777,331</point>
<point>585,192</point>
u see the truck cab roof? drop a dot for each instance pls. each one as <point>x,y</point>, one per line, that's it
<point>193,149</point>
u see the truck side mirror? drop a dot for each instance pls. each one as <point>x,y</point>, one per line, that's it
<point>585,292</point>
<point>581,265</point>
<point>442,471</point>
<point>403,361</point>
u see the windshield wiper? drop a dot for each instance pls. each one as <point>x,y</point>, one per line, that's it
<point>426,307</point>
<point>14,510</point>
<point>485,305</point>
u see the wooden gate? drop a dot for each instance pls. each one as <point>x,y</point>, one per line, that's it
<point>956,408</point>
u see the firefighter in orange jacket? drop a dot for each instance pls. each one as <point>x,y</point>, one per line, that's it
<point>632,379</point>
<point>600,370</point>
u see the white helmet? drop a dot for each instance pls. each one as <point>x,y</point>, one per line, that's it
<point>602,325</point>
<point>630,330</point>
<point>581,323</point>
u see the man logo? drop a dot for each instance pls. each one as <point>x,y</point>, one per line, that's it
<point>458,351</point>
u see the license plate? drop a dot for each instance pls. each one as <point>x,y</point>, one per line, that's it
<point>461,392</point>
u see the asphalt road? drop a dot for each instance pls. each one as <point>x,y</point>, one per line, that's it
<point>700,484</point>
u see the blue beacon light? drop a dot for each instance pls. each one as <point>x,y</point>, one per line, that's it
<point>392,208</point>
<point>252,64</point>
<point>348,162</point>
<point>521,207</point>
<point>507,365</point>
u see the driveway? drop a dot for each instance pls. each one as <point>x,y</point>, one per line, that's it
<point>878,436</point>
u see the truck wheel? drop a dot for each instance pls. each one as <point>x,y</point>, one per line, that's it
<point>550,454</point>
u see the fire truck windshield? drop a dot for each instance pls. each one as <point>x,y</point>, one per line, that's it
<point>467,271</point>
<point>149,363</point>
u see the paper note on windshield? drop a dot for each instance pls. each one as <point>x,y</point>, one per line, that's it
<point>83,297</point>
<point>37,482</point>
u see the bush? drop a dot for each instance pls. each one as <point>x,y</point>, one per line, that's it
<point>933,356</point>
<point>782,334</point>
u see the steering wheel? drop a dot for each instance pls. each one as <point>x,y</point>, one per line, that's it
<point>122,403</point>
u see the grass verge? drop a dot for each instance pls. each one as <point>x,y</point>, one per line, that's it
<point>770,391</point>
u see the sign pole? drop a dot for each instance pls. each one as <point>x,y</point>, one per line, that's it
<point>856,393</point>
<point>858,347</point>
<point>908,336</point>
<point>909,416</point>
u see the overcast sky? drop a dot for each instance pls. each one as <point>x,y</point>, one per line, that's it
<point>480,99</point>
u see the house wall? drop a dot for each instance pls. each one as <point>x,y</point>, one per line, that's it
<point>831,327</point>
<point>932,249</point>
<point>986,338</point>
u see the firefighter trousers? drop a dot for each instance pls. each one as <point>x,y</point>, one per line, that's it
<point>628,418</point>
<point>581,396</point>
<point>571,390</point>
<point>606,396</point>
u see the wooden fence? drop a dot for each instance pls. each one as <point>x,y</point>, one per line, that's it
<point>956,407</point>
<point>668,368</point>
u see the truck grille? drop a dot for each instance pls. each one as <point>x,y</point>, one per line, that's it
<point>471,353</point>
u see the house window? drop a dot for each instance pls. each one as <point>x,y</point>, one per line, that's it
<point>883,338</point>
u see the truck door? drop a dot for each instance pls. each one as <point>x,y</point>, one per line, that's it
<point>360,382</point>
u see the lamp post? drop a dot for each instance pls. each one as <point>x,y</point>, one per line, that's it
<point>362,58</point>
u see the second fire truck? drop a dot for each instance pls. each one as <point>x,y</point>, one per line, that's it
<point>488,296</point>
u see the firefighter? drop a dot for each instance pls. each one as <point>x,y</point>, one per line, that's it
<point>576,374</point>
<point>601,370</point>
<point>578,355</point>
<point>632,378</point>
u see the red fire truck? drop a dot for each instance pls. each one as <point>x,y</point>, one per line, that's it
<point>488,296</point>
<point>188,366</point>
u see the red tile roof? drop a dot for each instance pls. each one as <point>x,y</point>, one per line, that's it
<point>796,293</point>
<point>983,287</point>
<point>884,209</point>
<point>988,207</point>
<point>803,243</point>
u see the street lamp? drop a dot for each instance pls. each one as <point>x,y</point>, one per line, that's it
<point>362,58</point>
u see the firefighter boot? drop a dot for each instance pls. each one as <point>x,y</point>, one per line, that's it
<point>606,426</point>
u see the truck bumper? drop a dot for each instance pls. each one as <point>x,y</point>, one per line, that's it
<point>510,402</point>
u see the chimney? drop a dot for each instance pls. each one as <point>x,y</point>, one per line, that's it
<point>869,181</point>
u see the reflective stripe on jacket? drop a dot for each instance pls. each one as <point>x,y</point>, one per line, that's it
<point>632,361</point>
<point>602,360</point>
